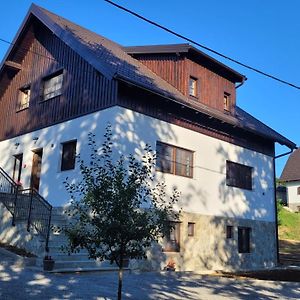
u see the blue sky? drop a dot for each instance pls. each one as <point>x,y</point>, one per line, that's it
<point>263,34</point>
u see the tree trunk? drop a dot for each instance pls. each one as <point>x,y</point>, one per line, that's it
<point>120,283</point>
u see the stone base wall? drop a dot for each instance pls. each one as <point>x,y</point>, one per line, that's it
<point>207,249</point>
<point>18,235</point>
<point>210,249</point>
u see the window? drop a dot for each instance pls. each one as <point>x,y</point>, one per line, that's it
<point>24,98</point>
<point>298,190</point>
<point>18,160</point>
<point>171,242</point>
<point>229,232</point>
<point>191,229</point>
<point>226,101</point>
<point>174,160</point>
<point>193,87</point>
<point>244,239</point>
<point>52,85</point>
<point>238,175</point>
<point>68,156</point>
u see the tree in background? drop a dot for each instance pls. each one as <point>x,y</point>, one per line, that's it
<point>117,209</point>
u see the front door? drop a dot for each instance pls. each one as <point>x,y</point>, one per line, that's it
<point>36,169</point>
<point>17,168</point>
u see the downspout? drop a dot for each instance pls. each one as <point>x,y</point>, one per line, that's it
<point>275,204</point>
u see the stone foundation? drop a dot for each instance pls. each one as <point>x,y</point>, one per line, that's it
<point>207,249</point>
<point>210,249</point>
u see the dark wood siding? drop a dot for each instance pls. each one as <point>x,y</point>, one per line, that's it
<point>152,105</point>
<point>177,69</point>
<point>84,89</point>
<point>170,67</point>
<point>211,86</point>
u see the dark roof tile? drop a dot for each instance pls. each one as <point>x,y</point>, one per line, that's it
<point>291,171</point>
<point>110,59</point>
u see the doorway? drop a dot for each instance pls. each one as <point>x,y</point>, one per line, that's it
<point>36,169</point>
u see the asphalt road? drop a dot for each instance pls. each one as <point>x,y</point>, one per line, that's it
<point>20,283</point>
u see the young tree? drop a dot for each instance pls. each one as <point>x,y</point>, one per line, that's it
<point>117,209</point>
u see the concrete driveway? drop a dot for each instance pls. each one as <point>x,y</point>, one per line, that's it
<point>19,283</point>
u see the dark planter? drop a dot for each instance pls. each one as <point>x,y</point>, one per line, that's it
<point>48,264</point>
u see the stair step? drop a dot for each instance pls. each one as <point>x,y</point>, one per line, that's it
<point>57,249</point>
<point>67,258</point>
<point>59,264</point>
<point>89,269</point>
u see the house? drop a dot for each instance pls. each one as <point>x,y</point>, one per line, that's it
<point>291,177</point>
<point>59,81</point>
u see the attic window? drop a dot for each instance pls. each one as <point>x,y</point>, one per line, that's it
<point>226,102</point>
<point>24,98</point>
<point>193,90</point>
<point>52,85</point>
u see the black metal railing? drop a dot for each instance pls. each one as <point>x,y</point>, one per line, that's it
<point>26,205</point>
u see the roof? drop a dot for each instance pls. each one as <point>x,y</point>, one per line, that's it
<point>205,59</point>
<point>291,171</point>
<point>110,59</point>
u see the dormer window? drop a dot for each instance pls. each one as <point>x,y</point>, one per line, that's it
<point>52,85</point>
<point>193,86</point>
<point>24,97</point>
<point>226,102</point>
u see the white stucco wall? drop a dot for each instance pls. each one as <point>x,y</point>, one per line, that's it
<point>205,193</point>
<point>292,195</point>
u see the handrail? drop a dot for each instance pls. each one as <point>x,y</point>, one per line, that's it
<point>8,177</point>
<point>26,205</point>
<point>32,190</point>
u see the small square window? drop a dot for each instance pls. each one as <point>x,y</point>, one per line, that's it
<point>193,86</point>
<point>191,229</point>
<point>52,85</point>
<point>226,101</point>
<point>229,232</point>
<point>244,239</point>
<point>24,98</point>
<point>68,156</point>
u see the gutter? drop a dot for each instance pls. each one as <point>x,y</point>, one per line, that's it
<point>243,81</point>
<point>284,154</point>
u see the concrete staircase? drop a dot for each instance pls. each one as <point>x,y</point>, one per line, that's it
<point>75,261</point>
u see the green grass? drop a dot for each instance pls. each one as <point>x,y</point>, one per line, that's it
<point>289,224</point>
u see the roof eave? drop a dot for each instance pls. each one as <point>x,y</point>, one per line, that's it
<point>227,119</point>
<point>186,49</point>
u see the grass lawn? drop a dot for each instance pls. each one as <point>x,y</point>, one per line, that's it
<point>289,225</point>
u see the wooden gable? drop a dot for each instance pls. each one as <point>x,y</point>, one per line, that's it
<point>37,55</point>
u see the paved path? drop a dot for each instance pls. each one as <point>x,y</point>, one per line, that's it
<point>18,283</point>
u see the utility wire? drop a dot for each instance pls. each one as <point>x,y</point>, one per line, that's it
<point>202,46</point>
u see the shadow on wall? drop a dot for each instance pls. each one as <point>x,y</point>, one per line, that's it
<point>237,208</point>
<point>205,194</point>
<point>206,199</point>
